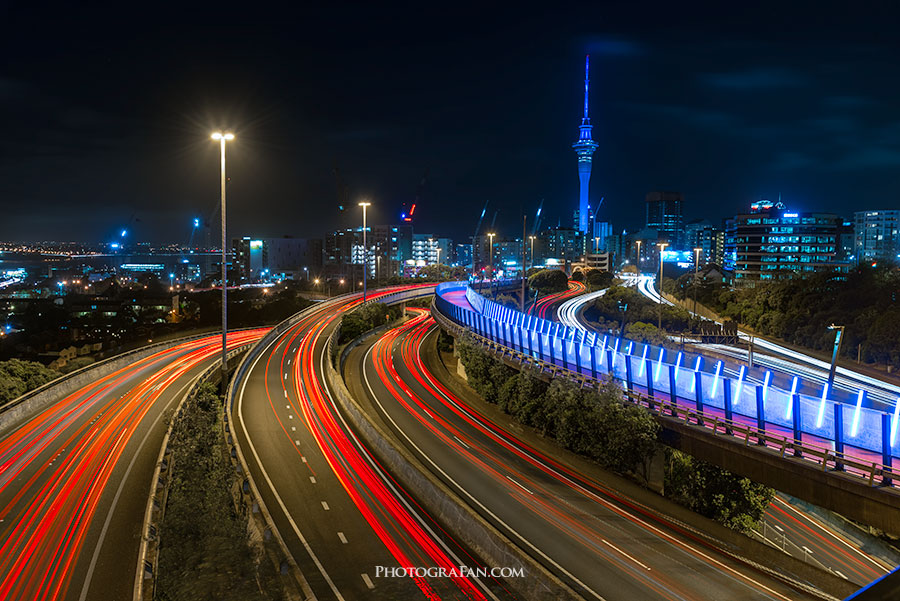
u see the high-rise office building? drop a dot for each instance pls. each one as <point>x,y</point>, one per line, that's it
<point>664,215</point>
<point>771,242</point>
<point>876,236</point>
<point>701,234</point>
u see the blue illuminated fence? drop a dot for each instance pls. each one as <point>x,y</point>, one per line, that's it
<point>659,371</point>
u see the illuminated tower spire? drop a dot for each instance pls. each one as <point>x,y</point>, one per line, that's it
<point>584,148</point>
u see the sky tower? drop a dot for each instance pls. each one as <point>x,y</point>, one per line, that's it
<point>584,148</point>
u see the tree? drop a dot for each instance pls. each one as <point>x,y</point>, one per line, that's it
<point>734,501</point>
<point>18,377</point>
<point>549,281</point>
<point>598,279</point>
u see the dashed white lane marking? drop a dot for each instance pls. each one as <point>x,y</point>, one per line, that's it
<point>461,442</point>
<point>519,485</point>
<point>290,417</point>
<point>342,537</point>
<point>297,442</point>
<point>325,506</point>
<point>645,566</point>
<point>303,458</point>
<point>285,376</point>
<point>293,428</point>
<point>287,406</point>
<point>841,575</point>
<point>312,479</point>
<point>368,581</point>
<point>285,393</point>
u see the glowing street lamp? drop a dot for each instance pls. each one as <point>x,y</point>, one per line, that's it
<point>696,274</point>
<point>531,238</point>
<point>221,138</point>
<point>491,253</point>
<point>365,249</point>
<point>662,246</point>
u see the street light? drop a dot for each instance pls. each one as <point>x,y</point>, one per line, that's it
<point>662,246</point>
<point>834,355</point>
<point>532,250</point>
<point>222,138</point>
<point>638,242</point>
<point>596,244</point>
<point>365,250</point>
<point>696,274</point>
<point>491,253</point>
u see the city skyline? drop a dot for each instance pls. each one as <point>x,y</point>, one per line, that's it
<point>103,140</point>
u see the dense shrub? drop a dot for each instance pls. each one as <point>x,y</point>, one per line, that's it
<point>618,435</point>
<point>548,281</point>
<point>365,318</point>
<point>204,552</point>
<point>18,377</point>
<point>732,500</point>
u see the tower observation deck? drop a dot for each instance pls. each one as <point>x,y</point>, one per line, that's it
<point>584,148</point>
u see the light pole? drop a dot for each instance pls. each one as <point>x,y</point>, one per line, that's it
<point>596,244</point>
<point>222,138</point>
<point>834,355</point>
<point>662,246</point>
<point>491,254</point>
<point>638,242</point>
<point>531,238</point>
<point>696,275</point>
<point>365,249</point>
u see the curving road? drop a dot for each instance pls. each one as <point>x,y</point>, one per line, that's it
<point>343,519</point>
<point>599,542</point>
<point>544,307</point>
<point>74,477</point>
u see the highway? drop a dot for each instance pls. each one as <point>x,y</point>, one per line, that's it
<point>601,543</point>
<point>785,527</point>
<point>544,307</point>
<point>342,517</point>
<point>75,476</point>
<point>882,395</point>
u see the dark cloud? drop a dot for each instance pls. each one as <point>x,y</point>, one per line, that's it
<point>757,78</point>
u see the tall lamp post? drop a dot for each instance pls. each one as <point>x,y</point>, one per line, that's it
<point>696,275</point>
<point>365,249</point>
<point>491,253</point>
<point>638,242</point>
<point>531,238</point>
<point>222,138</point>
<point>662,246</point>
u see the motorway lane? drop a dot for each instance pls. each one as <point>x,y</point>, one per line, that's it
<point>74,478</point>
<point>584,533</point>
<point>341,516</point>
<point>805,534</point>
<point>544,308</point>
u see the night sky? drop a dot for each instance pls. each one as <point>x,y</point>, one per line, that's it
<point>106,114</point>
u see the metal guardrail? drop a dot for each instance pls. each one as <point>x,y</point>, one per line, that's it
<point>667,408</point>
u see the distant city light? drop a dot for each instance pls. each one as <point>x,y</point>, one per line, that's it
<point>196,223</point>
<point>124,232</point>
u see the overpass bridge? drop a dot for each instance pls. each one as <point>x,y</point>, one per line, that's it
<point>836,455</point>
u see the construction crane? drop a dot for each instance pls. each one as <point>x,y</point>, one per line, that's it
<point>537,219</point>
